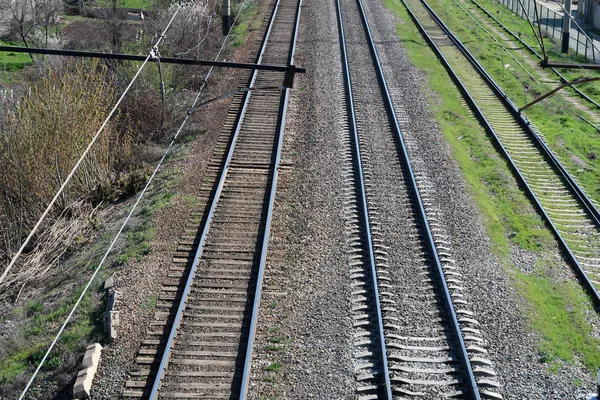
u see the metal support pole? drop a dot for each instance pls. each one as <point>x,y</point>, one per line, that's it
<point>566,27</point>
<point>226,13</point>
<point>598,385</point>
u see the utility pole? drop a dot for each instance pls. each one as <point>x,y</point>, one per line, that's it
<point>566,26</point>
<point>226,12</point>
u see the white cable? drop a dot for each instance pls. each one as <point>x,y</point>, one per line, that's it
<point>112,244</point>
<point>64,184</point>
<point>114,240</point>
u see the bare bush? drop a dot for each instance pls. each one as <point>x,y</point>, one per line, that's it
<point>192,31</point>
<point>31,20</point>
<point>42,137</point>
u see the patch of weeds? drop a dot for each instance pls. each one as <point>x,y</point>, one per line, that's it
<point>277,339</point>
<point>273,367</point>
<point>271,347</point>
<point>273,329</point>
<point>247,21</point>
<point>189,199</point>
<point>33,307</point>
<point>137,243</point>
<point>24,352</point>
<point>269,379</point>
<point>149,304</point>
<point>558,314</point>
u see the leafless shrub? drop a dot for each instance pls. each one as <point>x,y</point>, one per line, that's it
<point>43,135</point>
<point>31,20</point>
<point>192,31</point>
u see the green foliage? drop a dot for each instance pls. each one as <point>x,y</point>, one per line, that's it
<point>246,22</point>
<point>558,311</point>
<point>138,4</point>
<point>22,353</point>
<point>273,367</point>
<point>11,62</point>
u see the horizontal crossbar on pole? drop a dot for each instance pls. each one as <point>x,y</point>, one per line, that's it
<point>164,60</point>
<point>550,64</point>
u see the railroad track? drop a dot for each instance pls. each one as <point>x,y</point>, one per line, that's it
<point>587,108</point>
<point>200,345</point>
<point>570,214</point>
<point>516,39</point>
<point>409,343</point>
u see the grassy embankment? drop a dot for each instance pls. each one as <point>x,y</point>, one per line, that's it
<point>12,63</point>
<point>39,320</point>
<point>557,309</point>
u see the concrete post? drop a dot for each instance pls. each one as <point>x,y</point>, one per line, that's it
<point>598,386</point>
<point>226,12</point>
<point>566,27</point>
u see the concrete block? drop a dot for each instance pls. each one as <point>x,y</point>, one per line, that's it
<point>113,333</point>
<point>115,319</point>
<point>83,384</point>
<point>92,355</point>
<point>109,283</point>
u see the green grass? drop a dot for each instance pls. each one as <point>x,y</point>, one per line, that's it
<point>21,354</point>
<point>138,237</point>
<point>139,4</point>
<point>558,312</point>
<point>11,64</point>
<point>556,308</point>
<point>246,22</point>
<point>552,47</point>
<point>10,61</point>
<point>274,367</point>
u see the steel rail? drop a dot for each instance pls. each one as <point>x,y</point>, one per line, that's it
<point>265,242</point>
<point>477,111</point>
<point>532,50</point>
<point>363,199</point>
<point>471,383</point>
<point>179,314</point>
<point>564,81</point>
<point>525,124</point>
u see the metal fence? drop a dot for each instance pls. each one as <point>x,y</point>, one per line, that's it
<point>551,25</point>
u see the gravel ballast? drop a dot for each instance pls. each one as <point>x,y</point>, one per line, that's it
<point>307,314</point>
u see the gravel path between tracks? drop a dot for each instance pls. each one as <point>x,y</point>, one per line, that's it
<point>305,323</point>
<point>139,282</point>
<point>511,344</point>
